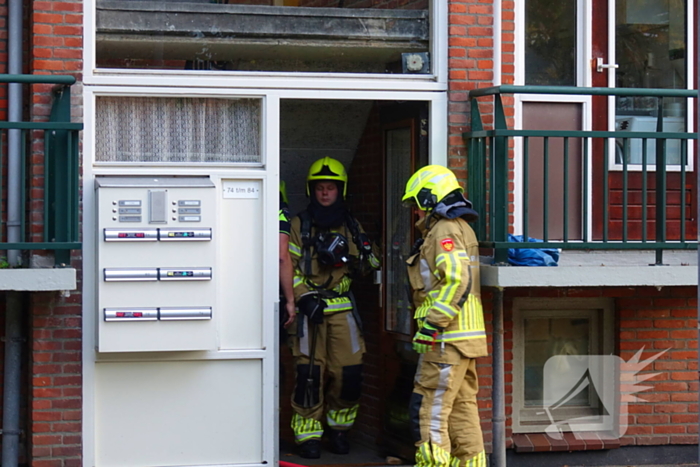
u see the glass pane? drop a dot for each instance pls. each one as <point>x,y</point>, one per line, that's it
<point>547,337</point>
<point>550,42</point>
<point>399,308</point>
<point>351,36</point>
<point>651,53</point>
<point>177,130</point>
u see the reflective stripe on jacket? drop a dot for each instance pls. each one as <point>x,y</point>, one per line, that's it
<point>335,280</point>
<point>446,283</point>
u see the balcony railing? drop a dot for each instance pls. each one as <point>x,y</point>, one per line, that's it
<point>643,206</point>
<point>55,227</point>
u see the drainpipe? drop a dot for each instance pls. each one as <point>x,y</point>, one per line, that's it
<point>13,309</point>
<point>498,456</point>
<point>14,137</point>
<point>11,391</point>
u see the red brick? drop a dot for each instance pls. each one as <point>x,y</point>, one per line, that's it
<point>48,18</point>
<point>689,439</point>
<point>670,408</point>
<point>669,323</point>
<point>46,439</point>
<point>652,419</point>
<point>652,440</point>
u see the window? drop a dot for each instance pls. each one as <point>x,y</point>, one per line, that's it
<point>177,130</point>
<point>550,42</point>
<point>544,328</point>
<point>651,51</point>
<point>328,36</point>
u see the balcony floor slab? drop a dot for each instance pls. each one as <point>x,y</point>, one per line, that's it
<point>600,269</point>
<point>38,280</point>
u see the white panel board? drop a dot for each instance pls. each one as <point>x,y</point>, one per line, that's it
<point>178,413</point>
<point>240,268</point>
<point>133,336</point>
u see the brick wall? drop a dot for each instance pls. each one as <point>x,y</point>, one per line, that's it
<point>471,66</point>
<point>645,318</point>
<point>54,47</point>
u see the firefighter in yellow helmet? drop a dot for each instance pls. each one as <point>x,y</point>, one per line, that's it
<point>328,248</point>
<point>444,275</point>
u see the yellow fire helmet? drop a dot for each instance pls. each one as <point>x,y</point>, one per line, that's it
<point>429,185</point>
<point>327,169</point>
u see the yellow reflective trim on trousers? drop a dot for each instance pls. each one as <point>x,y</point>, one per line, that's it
<point>294,249</point>
<point>343,418</point>
<point>306,428</point>
<point>430,454</point>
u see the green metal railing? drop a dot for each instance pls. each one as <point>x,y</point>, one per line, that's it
<point>60,216</point>
<point>490,155</point>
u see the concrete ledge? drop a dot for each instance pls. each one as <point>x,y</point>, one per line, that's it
<point>38,280</point>
<point>588,276</point>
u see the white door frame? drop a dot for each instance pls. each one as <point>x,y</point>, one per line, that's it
<point>584,51</point>
<point>270,173</point>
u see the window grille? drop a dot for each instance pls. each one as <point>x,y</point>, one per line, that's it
<point>177,130</point>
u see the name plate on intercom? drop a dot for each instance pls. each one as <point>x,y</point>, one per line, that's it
<point>185,313</point>
<point>185,274</point>
<point>184,235</point>
<point>130,274</point>
<point>131,314</point>
<point>131,235</point>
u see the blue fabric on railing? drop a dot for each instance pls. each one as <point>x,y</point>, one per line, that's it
<point>531,256</point>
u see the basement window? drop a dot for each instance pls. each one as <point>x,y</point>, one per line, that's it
<point>555,387</point>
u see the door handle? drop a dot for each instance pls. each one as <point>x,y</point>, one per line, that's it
<point>600,66</point>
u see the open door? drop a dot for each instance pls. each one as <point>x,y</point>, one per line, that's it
<point>405,146</point>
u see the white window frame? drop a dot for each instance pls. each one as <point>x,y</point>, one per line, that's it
<point>690,80</point>
<point>436,81</point>
<point>601,312</point>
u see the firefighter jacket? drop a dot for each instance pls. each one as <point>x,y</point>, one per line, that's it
<point>444,276</point>
<point>333,283</point>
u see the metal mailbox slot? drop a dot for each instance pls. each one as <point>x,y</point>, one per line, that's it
<point>131,235</point>
<point>185,313</point>
<point>184,235</point>
<point>130,274</point>
<point>185,274</point>
<point>131,314</point>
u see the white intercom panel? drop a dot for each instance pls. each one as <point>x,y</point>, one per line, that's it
<point>156,271</point>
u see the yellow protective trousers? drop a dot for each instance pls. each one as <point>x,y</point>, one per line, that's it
<point>335,380</point>
<point>444,413</point>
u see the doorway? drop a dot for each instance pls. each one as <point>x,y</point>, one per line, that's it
<point>380,143</point>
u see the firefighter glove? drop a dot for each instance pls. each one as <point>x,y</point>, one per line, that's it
<point>425,338</point>
<point>312,305</point>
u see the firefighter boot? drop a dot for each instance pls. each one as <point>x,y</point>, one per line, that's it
<point>339,442</point>
<point>310,449</point>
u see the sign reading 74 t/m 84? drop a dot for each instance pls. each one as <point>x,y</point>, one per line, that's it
<point>241,189</point>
